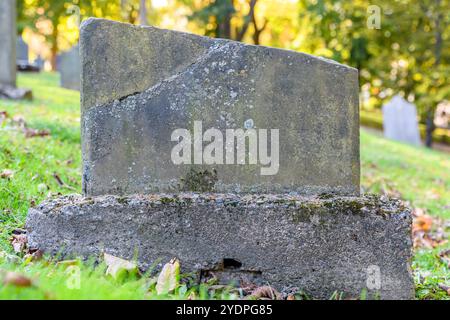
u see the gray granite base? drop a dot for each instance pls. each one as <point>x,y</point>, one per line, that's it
<point>13,93</point>
<point>319,245</point>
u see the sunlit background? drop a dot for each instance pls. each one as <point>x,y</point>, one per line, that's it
<point>400,47</point>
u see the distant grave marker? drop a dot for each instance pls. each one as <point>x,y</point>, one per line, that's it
<point>8,42</point>
<point>8,36</point>
<point>22,51</point>
<point>400,121</point>
<point>69,67</point>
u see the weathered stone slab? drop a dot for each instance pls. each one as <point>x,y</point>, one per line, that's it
<point>343,244</point>
<point>139,84</point>
<point>400,121</point>
<point>69,68</point>
<point>8,42</point>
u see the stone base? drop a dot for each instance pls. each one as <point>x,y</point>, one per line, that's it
<point>318,245</point>
<point>10,92</point>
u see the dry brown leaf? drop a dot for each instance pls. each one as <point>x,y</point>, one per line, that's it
<point>445,257</point>
<point>427,231</point>
<point>30,133</point>
<point>422,223</point>
<point>36,254</point>
<point>19,242</point>
<point>6,174</point>
<point>265,292</point>
<point>16,279</point>
<point>3,116</point>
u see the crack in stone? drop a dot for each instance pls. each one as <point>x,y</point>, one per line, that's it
<point>149,92</point>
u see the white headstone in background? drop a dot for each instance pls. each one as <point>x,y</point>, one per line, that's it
<point>400,121</point>
<point>21,51</point>
<point>69,67</point>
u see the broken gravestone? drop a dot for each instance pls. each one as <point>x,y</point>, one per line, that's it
<point>241,161</point>
<point>305,108</point>
<point>8,34</point>
<point>69,68</point>
<point>400,121</point>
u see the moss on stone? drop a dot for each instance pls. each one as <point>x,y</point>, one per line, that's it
<point>199,180</point>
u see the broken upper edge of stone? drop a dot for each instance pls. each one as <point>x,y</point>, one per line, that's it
<point>100,40</point>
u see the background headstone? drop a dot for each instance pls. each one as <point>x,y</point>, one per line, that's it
<point>21,51</point>
<point>8,42</point>
<point>69,68</point>
<point>400,121</point>
<point>142,83</point>
<point>23,63</point>
<point>39,63</point>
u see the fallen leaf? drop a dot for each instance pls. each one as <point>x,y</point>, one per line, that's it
<point>16,279</point>
<point>265,292</point>
<point>290,297</point>
<point>19,121</point>
<point>30,133</point>
<point>36,254</point>
<point>445,257</point>
<point>169,277</point>
<point>422,223</point>
<point>6,174</point>
<point>3,116</point>
<point>427,231</point>
<point>19,242</point>
<point>118,266</point>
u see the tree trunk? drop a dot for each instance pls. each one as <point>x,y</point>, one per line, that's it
<point>248,19</point>
<point>224,27</point>
<point>54,46</point>
<point>437,60</point>
<point>258,31</point>
<point>143,13</point>
<point>123,11</point>
<point>429,129</point>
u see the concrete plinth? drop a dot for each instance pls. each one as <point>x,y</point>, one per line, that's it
<point>317,244</point>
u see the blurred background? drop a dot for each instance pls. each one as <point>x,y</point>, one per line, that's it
<point>400,47</point>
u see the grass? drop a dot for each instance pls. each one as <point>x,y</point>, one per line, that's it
<point>418,175</point>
